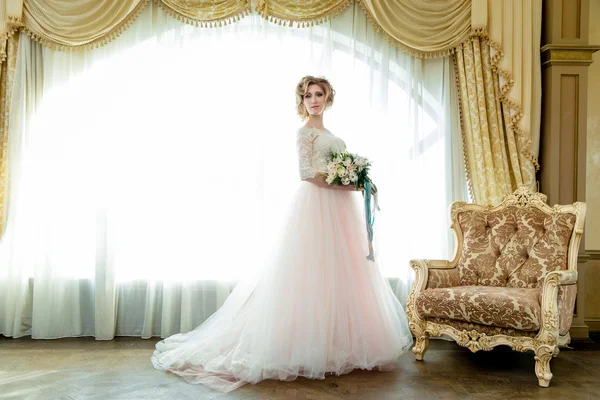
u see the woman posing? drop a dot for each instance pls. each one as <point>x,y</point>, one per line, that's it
<point>320,307</point>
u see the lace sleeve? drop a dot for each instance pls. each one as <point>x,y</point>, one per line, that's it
<point>304,144</point>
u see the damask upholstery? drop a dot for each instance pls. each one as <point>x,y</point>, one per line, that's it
<point>514,308</point>
<point>513,247</point>
<point>566,303</point>
<point>443,278</point>
<point>513,280</point>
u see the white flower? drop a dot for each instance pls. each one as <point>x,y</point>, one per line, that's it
<point>331,167</point>
<point>361,161</point>
<point>330,179</point>
<point>347,161</point>
<point>341,172</point>
<point>353,176</point>
<point>345,181</point>
<point>337,160</point>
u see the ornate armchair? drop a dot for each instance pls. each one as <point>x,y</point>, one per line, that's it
<point>513,280</point>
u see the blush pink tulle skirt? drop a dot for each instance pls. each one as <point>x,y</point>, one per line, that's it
<point>320,307</point>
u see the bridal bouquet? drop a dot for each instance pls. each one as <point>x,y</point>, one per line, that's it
<point>351,169</point>
<point>347,169</point>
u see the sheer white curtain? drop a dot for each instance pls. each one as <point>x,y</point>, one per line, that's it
<point>149,175</point>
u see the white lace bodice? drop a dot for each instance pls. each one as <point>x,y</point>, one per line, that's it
<point>314,146</point>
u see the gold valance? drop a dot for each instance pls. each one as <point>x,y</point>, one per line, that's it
<point>427,29</point>
<point>78,24</point>
<point>205,13</point>
<point>83,24</point>
<point>301,13</point>
<point>422,28</point>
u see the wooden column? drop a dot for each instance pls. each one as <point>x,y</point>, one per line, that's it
<point>566,56</point>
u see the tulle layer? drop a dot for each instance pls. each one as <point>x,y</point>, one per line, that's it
<point>318,308</point>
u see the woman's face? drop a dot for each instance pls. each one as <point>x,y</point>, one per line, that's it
<point>314,100</point>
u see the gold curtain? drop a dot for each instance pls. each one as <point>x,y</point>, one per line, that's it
<point>501,140</point>
<point>204,13</point>
<point>300,13</point>
<point>7,73</point>
<point>422,29</point>
<point>496,155</point>
<point>85,24</point>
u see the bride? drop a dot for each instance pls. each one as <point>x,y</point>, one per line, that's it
<point>320,307</point>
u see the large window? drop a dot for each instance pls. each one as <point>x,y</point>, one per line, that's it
<point>168,157</point>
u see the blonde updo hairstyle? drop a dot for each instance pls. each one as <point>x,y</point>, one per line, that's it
<point>302,89</point>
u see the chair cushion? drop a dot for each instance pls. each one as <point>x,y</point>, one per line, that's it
<point>512,247</point>
<point>514,308</point>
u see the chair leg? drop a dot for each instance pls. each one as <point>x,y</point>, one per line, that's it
<point>543,355</point>
<point>421,346</point>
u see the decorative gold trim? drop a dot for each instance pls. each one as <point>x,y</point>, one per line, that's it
<point>212,23</point>
<point>558,54</point>
<point>4,36</point>
<point>571,55</point>
<point>462,131</point>
<point>285,20</point>
<point>547,341</point>
<point>15,20</point>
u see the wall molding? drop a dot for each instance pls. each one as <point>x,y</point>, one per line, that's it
<point>593,254</point>
<point>568,54</point>
<point>593,324</point>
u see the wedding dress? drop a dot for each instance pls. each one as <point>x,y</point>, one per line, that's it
<point>320,307</point>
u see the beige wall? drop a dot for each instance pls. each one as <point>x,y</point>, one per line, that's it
<point>592,232</point>
<point>592,240</point>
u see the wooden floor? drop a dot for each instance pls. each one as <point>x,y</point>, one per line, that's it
<point>120,369</point>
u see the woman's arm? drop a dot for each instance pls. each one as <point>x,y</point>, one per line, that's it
<point>304,144</point>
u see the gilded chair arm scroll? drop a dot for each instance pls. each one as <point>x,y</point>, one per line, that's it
<point>550,314</point>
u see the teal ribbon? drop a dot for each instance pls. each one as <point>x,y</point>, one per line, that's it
<point>370,215</point>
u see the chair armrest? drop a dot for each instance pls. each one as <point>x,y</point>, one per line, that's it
<point>439,271</point>
<point>550,310</point>
<point>568,277</point>
<point>435,273</point>
<point>436,264</point>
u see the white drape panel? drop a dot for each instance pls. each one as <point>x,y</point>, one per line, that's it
<point>151,174</point>
<point>517,26</point>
